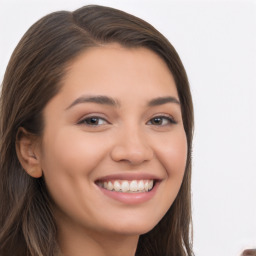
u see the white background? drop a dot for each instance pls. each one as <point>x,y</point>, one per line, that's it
<point>217,44</point>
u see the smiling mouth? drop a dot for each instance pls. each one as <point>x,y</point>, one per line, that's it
<point>125,186</point>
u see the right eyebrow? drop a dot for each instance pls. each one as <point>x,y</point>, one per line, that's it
<point>98,99</point>
<point>163,100</point>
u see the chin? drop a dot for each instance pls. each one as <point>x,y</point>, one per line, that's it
<point>136,226</point>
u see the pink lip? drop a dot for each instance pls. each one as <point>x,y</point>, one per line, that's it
<point>130,198</point>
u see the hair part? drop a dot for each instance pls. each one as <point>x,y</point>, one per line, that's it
<point>34,75</point>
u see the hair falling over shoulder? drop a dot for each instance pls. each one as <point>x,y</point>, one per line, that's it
<point>32,78</point>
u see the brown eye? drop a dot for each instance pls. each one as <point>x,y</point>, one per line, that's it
<point>93,121</point>
<point>161,120</point>
<point>157,121</point>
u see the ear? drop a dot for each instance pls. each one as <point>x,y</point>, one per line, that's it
<point>27,149</point>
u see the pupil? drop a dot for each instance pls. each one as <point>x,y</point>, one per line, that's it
<point>93,120</point>
<point>157,120</point>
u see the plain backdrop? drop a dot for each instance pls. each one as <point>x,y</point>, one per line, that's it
<point>216,41</point>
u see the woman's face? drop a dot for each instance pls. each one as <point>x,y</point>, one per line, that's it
<point>116,124</point>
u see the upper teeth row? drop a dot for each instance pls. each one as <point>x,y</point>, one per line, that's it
<point>128,186</point>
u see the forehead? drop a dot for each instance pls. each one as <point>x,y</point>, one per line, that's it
<point>119,71</point>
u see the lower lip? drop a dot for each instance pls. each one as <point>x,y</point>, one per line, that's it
<point>131,198</point>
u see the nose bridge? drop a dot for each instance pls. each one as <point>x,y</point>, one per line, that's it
<point>132,145</point>
<point>134,139</point>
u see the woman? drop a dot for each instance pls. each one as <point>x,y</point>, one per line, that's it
<point>96,135</point>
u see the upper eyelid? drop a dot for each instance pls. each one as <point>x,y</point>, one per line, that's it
<point>163,116</point>
<point>94,114</point>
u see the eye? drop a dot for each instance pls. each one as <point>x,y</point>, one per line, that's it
<point>93,121</point>
<point>161,120</point>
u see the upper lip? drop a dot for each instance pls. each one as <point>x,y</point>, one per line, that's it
<point>129,176</point>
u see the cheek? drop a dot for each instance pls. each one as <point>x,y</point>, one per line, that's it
<point>173,154</point>
<point>71,152</point>
<point>69,161</point>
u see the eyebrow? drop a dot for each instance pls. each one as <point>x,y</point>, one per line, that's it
<point>163,100</point>
<point>99,99</point>
<point>105,100</point>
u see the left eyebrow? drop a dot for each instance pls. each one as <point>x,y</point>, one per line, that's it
<point>163,100</point>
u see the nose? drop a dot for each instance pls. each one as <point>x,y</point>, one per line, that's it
<point>131,146</point>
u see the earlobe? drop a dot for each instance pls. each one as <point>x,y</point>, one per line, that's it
<point>27,152</point>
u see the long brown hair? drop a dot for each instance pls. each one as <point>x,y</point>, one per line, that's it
<point>32,78</point>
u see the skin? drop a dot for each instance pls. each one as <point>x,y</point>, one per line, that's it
<point>124,140</point>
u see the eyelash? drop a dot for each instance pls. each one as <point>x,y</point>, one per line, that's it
<point>170,120</point>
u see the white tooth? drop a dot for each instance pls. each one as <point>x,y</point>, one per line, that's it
<point>133,186</point>
<point>125,186</point>
<point>141,185</point>
<point>105,185</point>
<point>110,186</point>
<point>117,186</point>
<point>150,185</point>
<point>146,186</point>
